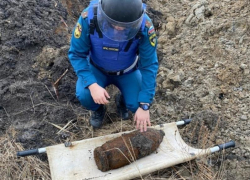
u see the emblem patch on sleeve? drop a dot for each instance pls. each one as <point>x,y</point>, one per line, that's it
<point>84,14</point>
<point>151,30</point>
<point>78,31</point>
<point>152,39</point>
<point>148,23</point>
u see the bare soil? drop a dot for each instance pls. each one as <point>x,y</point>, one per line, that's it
<point>204,74</point>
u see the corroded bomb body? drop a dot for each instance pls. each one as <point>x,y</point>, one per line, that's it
<point>127,148</point>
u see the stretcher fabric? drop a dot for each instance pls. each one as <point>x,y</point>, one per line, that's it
<point>77,162</point>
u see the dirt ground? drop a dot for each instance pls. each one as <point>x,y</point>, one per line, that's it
<point>204,74</point>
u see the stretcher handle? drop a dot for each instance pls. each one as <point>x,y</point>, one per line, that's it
<point>187,121</point>
<point>223,146</point>
<point>31,152</point>
<point>226,145</point>
<point>183,122</point>
<point>27,152</point>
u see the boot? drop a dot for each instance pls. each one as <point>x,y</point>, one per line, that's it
<point>97,117</point>
<point>121,107</point>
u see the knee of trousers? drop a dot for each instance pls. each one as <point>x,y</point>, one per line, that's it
<point>86,100</point>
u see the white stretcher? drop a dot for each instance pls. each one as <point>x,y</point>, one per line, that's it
<point>77,162</point>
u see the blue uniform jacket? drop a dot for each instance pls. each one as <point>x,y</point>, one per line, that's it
<point>147,64</point>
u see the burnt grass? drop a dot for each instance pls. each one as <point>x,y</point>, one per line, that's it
<point>34,42</point>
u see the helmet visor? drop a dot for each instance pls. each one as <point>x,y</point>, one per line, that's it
<point>117,31</point>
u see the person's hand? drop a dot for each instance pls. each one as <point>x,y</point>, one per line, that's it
<point>99,94</point>
<point>142,119</point>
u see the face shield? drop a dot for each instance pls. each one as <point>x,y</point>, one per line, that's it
<point>117,31</point>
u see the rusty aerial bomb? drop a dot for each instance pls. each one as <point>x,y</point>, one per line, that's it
<point>127,148</point>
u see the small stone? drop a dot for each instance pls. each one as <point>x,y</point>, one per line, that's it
<point>175,79</point>
<point>242,139</point>
<point>200,12</point>
<point>189,82</point>
<point>243,66</point>
<point>246,71</point>
<point>181,74</point>
<point>243,51</point>
<point>201,69</point>
<point>167,84</point>
<point>170,28</point>
<point>243,117</point>
<point>159,110</point>
<point>247,154</point>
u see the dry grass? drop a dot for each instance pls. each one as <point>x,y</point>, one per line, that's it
<point>14,168</point>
